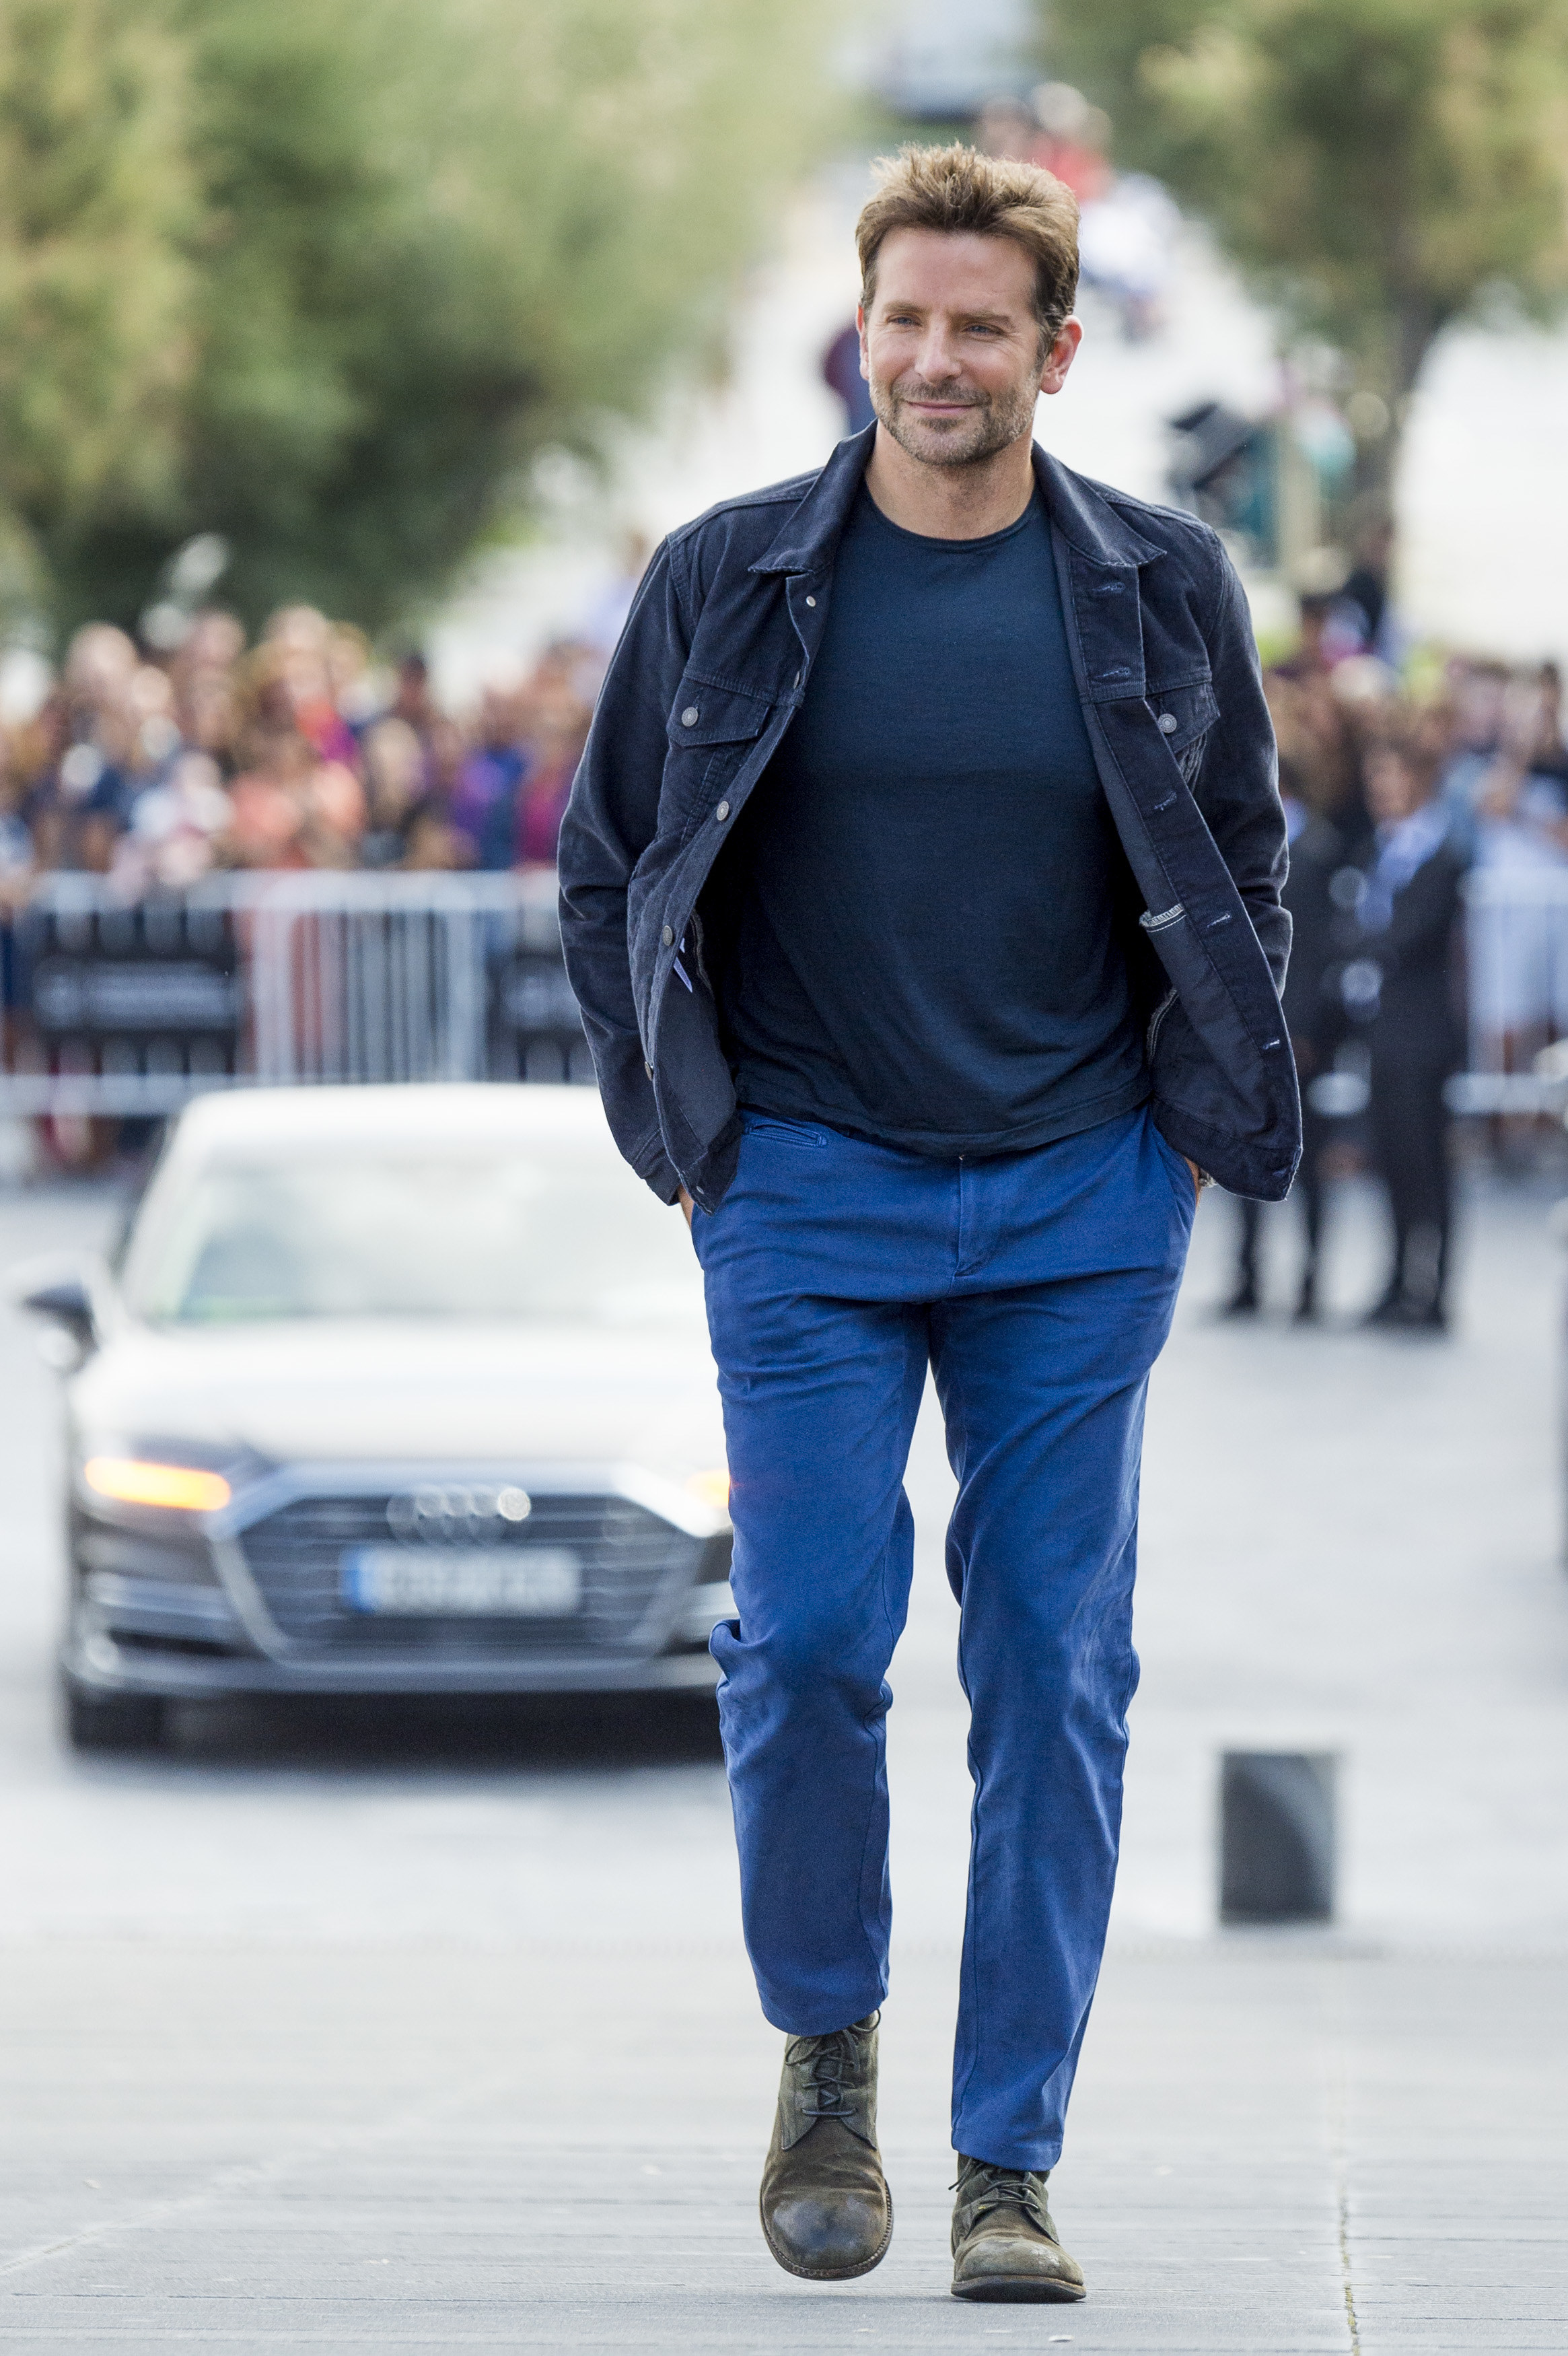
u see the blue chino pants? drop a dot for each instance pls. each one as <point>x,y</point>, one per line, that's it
<point>1039,1287</point>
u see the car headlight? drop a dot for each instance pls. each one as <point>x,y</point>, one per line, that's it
<point>137,1481</point>
<point>711,1488</point>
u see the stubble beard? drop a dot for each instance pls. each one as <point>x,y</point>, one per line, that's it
<point>992,422</point>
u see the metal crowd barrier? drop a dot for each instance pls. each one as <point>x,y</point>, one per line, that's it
<point>1516,991</point>
<point>129,1007</point>
<point>1510,981</point>
<point>117,1007</point>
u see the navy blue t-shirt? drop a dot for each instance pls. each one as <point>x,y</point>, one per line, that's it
<point>919,920</point>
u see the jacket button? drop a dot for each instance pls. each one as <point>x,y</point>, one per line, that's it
<point>668,936</point>
<point>722,812</point>
<point>811,601</point>
<point>691,716</point>
<point>1169,724</point>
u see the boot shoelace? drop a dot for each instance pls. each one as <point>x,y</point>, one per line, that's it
<point>995,2188</point>
<point>824,2095</point>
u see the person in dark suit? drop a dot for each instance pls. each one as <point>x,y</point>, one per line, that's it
<point>1315,1023</point>
<point>1409,916</point>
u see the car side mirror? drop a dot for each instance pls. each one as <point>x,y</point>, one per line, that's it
<point>61,1294</point>
<point>68,1302</point>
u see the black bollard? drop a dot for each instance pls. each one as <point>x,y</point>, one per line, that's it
<point>1277,1836</point>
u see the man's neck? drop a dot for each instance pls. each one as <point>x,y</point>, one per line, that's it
<point>950,502</point>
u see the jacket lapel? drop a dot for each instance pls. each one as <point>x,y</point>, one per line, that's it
<point>808,539</point>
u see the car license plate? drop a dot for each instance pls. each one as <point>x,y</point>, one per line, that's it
<point>463,1583</point>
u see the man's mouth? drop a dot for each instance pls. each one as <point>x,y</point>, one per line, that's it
<point>939,404</point>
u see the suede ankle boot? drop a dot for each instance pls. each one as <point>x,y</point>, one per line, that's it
<point>1004,2243</point>
<point>826,2211</point>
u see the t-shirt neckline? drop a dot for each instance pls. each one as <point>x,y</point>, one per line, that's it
<point>961,547</point>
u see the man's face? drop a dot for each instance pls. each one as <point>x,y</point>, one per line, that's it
<point>950,344</point>
<point>1394,790</point>
<point>1480,696</point>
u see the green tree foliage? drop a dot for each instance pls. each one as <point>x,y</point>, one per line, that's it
<point>321,275</point>
<point>98,207</point>
<point>1376,166</point>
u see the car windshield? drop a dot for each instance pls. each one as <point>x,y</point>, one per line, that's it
<point>488,1233</point>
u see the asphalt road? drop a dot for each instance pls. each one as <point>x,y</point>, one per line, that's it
<point>431,2029</point>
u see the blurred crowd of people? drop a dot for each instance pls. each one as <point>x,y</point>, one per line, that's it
<point>1391,797</point>
<point>156,770</point>
<point>297,752</point>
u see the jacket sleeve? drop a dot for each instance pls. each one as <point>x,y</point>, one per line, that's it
<point>1237,787</point>
<point>610,821</point>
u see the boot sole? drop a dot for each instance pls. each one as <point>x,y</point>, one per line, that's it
<point>830,2274</point>
<point>1017,2290</point>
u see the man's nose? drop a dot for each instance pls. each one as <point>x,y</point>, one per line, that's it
<point>939,359</point>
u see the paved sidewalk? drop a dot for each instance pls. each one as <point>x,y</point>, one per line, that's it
<point>1277,2146</point>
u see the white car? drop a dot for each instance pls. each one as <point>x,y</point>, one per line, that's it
<point>388,1390</point>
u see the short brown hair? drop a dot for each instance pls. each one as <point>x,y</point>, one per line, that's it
<point>961,193</point>
<point>1412,733</point>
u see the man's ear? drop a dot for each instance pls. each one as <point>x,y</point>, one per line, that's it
<point>860,326</point>
<point>1060,358</point>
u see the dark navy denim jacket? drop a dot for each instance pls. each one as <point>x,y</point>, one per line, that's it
<point>711,670</point>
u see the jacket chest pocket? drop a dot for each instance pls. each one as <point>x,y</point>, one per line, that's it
<point>711,730</point>
<point>1184,715</point>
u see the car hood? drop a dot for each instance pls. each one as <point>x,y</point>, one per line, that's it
<point>394,1390</point>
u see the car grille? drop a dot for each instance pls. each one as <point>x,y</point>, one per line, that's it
<point>295,1554</point>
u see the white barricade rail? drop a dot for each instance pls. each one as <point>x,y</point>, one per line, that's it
<point>1516,991</point>
<point>115,1007</point>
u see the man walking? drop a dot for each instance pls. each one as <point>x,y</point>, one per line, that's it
<point>919,888</point>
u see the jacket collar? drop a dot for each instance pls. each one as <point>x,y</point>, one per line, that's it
<point>809,538</point>
<point>1085,516</point>
<point>1077,507</point>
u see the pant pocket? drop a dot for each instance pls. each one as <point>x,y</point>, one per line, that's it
<point>1178,1170</point>
<point>784,1132</point>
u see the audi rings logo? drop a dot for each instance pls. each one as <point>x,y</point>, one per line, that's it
<point>440,1515</point>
